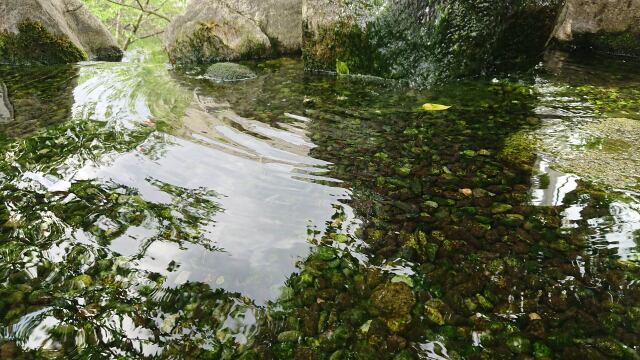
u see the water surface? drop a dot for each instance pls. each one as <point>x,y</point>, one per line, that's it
<point>148,212</point>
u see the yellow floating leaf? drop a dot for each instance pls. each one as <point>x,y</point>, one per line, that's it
<point>434,107</point>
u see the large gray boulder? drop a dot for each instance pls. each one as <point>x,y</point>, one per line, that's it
<point>611,26</point>
<point>223,30</point>
<point>52,32</point>
<point>426,41</point>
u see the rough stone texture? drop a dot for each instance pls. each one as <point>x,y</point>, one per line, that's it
<point>223,30</point>
<point>393,299</point>
<point>426,41</point>
<point>611,26</point>
<point>223,72</point>
<point>65,21</point>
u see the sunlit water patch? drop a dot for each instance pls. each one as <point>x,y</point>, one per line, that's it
<point>590,131</point>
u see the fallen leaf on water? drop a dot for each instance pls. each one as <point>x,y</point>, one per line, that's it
<point>434,107</point>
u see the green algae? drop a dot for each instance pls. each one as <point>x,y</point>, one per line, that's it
<point>610,100</point>
<point>34,44</point>
<point>519,148</point>
<point>45,102</point>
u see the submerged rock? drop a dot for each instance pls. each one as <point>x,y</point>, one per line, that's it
<point>518,344</point>
<point>53,32</point>
<point>426,41</point>
<point>229,72</point>
<point>604,26</point>
<point>607,155</point>
<point>223,30</point>
<point>395,300</point>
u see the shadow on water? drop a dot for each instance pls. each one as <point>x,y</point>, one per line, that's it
<point>312,217</point>
<point>35,97</point>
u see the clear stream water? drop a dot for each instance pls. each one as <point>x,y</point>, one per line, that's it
<point>152,213</point>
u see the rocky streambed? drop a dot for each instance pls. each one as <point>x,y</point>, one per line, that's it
<point>153,213</point>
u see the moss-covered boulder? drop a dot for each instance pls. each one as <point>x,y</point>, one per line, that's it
<point>52,32</point>
<point>426,41</point>
<point>611,27</point>
<point>229,72</point>
<point>227,30</point>
<point>34,44</point>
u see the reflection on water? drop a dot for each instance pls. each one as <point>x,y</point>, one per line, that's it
<point>6,109</point>
<point>552,185</point>
<point>34,97</point>
<point>590,111</point>
<point>151,213</point>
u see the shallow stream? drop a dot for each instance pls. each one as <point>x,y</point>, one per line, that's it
<point>152,213</point>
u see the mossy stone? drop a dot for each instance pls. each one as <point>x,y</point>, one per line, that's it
<point>518,344</point>
<point>393,299</point>
<point>229,72</point>
<point>500,208</point>
<point>428,41</point>
<point>434,315</point>
<point>34,44</point>
<point>541,351</point>
<point>289,336</point>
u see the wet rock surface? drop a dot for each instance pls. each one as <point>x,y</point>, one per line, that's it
<point>222,30</point>
<point>229,72</point>
<point>611,27</point>
<point>53,32</point>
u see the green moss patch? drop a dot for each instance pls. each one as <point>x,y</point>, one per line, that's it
<point>34,44</point>
<point>225,72</point>
<point>519,149</point>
